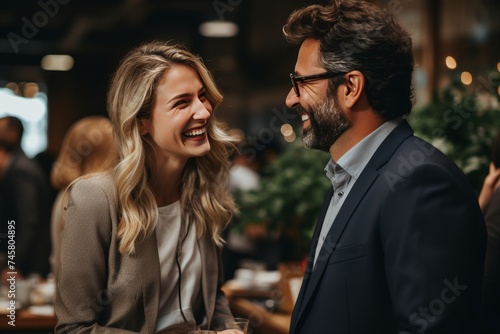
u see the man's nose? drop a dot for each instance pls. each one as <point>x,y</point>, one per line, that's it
<point>291,99</point>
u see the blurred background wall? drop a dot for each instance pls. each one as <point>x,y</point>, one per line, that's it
<point>251,66</point>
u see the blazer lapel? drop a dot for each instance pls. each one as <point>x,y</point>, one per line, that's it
<point>150,280</point>
<point>208,276</point>
<point>360,188</point>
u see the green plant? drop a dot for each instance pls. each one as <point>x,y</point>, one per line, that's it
<point>290,197</point>
<point>462,121</point>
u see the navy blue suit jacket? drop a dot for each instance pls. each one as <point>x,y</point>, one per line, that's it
<point>405,253</point>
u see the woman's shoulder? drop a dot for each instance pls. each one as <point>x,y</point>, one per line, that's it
<point>93,182</point>
<point>96,179</point>
<point>95,189</point>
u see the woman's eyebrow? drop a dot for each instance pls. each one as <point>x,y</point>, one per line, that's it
<point>180,96</point>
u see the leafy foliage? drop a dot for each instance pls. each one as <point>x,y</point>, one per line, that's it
<point>289,199</point>
<point>462,122</point>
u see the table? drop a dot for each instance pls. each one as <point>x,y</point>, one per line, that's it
<point>27,322</point>
<point>261,320</point>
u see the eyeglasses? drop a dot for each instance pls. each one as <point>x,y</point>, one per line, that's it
<point>304,78</point>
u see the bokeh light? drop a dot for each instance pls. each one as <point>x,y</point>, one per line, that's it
<point>466,78</point>
<point>451,63</point>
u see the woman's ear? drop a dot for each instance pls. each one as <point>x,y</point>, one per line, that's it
<point>355,84</point>
<point>143,126</point>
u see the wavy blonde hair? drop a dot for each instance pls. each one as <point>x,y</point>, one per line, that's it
<point>204,186</point>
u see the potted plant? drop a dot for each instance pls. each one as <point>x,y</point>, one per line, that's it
<point>288,201</point>
<point>462,122</point>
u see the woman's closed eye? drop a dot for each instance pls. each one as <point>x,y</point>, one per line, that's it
<point>181,104</point>
<point>202,96</point>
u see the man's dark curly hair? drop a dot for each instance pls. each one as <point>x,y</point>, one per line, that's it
<point>357,35</point>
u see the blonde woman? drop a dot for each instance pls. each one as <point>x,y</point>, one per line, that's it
<point>141,245</point>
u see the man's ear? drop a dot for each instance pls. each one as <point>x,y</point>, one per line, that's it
<point>355,84</point>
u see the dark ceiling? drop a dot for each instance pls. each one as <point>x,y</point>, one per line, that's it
<point>95,27</point>
<point>104,30</point>
<point>251,68</point>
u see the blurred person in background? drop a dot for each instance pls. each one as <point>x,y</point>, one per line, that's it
<point>87,148</point>
<point>244,175</point>
<point>489,200</point>
<point>400,242</point>
<point>46,160</point>
<point>141,245</point>
<point>24,199</point>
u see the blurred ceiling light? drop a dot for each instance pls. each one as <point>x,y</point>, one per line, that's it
<point>57,62</point>
<point>219,29</point>
<point>451,63</point>
<point>466,78</point>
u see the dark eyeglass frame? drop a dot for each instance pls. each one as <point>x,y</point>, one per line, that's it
<point>313,77</point>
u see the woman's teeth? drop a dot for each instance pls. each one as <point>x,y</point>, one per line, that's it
<point>194,133</point>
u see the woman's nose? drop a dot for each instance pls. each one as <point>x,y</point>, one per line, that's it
<point>202,111</point>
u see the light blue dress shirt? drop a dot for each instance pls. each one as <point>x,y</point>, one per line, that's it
<point>344,173</point>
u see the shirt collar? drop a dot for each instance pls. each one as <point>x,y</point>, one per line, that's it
<point>356,159</point>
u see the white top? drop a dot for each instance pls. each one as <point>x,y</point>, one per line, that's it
<point>168,236</point>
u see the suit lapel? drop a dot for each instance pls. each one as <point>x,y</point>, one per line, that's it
<point>358,191</point>
<point>310,259</point>
<point>360,188</point>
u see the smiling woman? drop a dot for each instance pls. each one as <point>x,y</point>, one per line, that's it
<point>166,203</point>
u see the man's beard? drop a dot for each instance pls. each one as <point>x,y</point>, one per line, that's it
<point>328,123</point>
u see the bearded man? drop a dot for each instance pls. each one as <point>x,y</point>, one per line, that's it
<point>400,241</point>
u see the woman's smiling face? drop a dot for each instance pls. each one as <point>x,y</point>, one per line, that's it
<point>181,110</point>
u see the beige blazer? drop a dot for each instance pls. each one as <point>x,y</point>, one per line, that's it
<point>100,290</point>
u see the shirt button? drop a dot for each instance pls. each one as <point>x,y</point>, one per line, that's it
<point>340,194</point>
